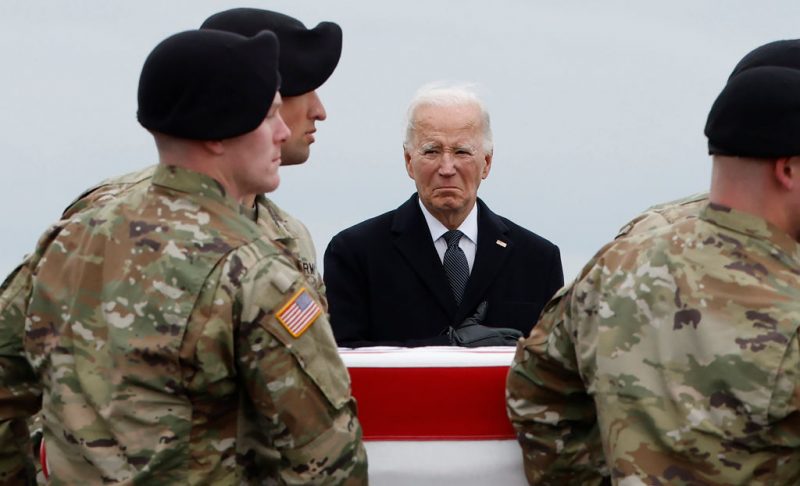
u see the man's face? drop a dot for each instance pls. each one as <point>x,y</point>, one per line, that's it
<point>447,160</point>
<point>300,113</point>
<point>253,158</point>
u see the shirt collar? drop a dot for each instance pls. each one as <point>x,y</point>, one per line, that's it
<point>275,224</point>
<point>469,226</point>
<point>191,182</point>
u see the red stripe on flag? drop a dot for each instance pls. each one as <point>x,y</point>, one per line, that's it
<point>432,403</point>
<point>43,459</point>
<point>297,323</point>
<point>299,313</point>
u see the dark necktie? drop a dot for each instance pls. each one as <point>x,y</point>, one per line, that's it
<point>455,264</point>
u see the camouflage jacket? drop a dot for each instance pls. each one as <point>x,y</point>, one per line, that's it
<point>664,214</point>
<point>174,344</point>
<point>288,232</point>
<point>652,218</point>
<point>674,359</point>
<point>293,238</point>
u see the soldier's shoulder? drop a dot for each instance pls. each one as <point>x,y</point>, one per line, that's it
<point>629,251</point>
<point>107,190</point>
<point>680,208</point>
<point>165,220</point>
<point>684,201</point>
<point>131,177</point>
<point>280,215</point>
<point>260,255</point>
<point>664,214</point>
<point>272,206</point>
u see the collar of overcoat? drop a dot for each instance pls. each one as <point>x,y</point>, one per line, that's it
<point>412,238</point>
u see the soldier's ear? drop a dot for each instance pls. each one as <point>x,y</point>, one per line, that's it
<point>216,147</point>
<point>787,172</point>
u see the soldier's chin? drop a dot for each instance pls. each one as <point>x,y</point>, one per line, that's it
<point>295,153</point>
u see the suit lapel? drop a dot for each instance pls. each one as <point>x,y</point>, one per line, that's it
<point>413,239</point>
<point>489,259</point>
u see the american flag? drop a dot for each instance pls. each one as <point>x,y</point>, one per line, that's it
<point>299,313</point>
<point>412,432</point>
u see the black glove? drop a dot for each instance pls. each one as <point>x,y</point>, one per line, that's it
<point>472,334</point>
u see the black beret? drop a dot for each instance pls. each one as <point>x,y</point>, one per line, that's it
<point>208,85</point>
<point>308,56</point>
<point>757,114</point>
<point>782,53</point>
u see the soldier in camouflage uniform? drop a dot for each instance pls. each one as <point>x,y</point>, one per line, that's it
<point>776,54</point>
<point>173,343</point>
<point>674,358</point>
<point>309,57</point>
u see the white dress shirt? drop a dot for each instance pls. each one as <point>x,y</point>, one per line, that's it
<point>468,242</point>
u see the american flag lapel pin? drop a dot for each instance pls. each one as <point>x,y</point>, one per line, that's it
<point>501,243</point>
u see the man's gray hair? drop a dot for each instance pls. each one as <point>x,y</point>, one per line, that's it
<point>447,94</point>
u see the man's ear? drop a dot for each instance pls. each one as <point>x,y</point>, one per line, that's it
<point>216,147</point>
<point>486,168</point>
<point>409,167</point>
<point>787,172</point>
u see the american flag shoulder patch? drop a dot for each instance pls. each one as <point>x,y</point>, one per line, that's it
<point>299,313</point>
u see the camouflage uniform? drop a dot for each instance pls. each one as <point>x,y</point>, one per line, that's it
<point>654,217</point>
<point>289,234</point>
<point>283,229</point>
<point>674,359</point>
<point>153,326</point>
<point>665,214</point>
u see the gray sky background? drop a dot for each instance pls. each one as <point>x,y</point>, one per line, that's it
<point>598,108</point>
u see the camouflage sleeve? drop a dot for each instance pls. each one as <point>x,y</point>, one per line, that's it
<point>549,408</point>
<point>19,390</point>
<point>295,379</point>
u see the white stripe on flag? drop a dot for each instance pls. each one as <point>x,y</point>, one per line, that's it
<point>437,463</point>
<point>295,324</point>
